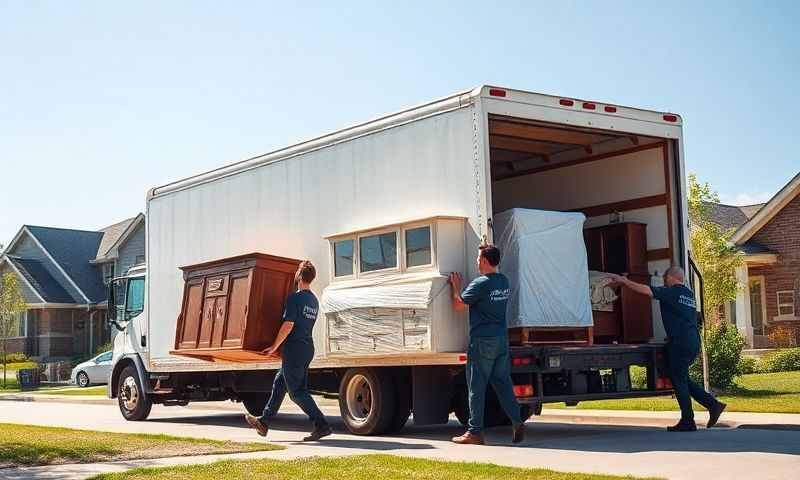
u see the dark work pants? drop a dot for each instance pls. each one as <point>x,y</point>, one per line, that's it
<point>489,362</point>
<point>680,357</point>
<point>293,378</point>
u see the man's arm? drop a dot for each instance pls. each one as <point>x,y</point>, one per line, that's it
<point>455,284</point>
<point>628,283</point>
<point>285,330</point>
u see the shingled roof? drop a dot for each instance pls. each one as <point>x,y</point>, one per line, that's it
<point>731,216</point>
<point>40,279</point>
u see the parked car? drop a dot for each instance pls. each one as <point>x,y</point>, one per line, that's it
<point>94,371</point>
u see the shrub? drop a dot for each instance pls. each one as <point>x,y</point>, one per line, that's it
<point>16,357</point>
<point>724,345</point>
<point>748,365</point>
<point>787,360</point>
<point>104,348</point>
<point>782,337</point>
<point>638,377</point>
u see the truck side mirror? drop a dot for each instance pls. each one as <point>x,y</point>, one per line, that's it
<point>112,310</point>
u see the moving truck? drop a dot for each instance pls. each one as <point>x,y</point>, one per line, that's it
<point>393,205</point>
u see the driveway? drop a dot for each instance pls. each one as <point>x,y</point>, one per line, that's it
<point>747,452</point>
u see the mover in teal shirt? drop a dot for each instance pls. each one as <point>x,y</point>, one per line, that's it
<point>679,316</point>
<point>488,359</point>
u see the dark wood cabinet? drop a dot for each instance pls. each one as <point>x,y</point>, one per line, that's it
<point>622,248</point>
<point>232,307</point>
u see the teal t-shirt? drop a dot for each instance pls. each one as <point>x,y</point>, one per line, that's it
<point>678,313</point>
<point>301,308</point>
<point>487,297</point>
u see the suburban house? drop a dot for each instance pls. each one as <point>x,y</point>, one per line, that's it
<point>768,235</point>
<point>63,274</point>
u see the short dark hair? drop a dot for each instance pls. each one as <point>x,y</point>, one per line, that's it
<point>306,272</point>
<point>491,254</point>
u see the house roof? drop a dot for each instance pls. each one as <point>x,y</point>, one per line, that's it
<point>72,250</point>
<point>731,216</point>
<point>767,212</point>
<point>115,235</point>
<point>40,280</point>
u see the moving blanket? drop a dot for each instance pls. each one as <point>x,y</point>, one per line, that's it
<point>544,258</point>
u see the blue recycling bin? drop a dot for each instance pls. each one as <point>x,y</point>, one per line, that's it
<point>28,378</point>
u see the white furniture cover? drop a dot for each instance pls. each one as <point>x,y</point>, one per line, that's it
<point>544,258</point>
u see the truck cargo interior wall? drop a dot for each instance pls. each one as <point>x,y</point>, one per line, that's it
<point>622,183</point>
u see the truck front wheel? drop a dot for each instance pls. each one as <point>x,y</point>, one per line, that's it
<point>133,403</point>
<point>366,400</point>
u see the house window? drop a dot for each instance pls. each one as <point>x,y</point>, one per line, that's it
<point>19,326</point>
<point>786,303</point>
<point>108,272</point>
<point>418,246</point>
<point>757,305</point>
<point>378,252</point>
<point>343,257</point>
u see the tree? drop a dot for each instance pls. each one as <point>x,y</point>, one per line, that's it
<point>12,303</point>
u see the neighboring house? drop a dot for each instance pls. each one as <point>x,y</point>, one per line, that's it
<point>769,237</point>
<point>63,274</point>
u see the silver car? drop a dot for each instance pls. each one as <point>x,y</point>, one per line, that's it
<point>94,371</point>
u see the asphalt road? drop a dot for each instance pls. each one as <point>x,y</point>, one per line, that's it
<point>746,452</point>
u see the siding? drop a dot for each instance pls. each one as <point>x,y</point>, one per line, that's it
<point>27,248</point>
<point>134,246</point>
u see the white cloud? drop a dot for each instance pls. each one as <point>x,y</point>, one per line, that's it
<point>745,198</point>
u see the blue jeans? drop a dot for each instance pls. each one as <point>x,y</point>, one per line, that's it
<point>488,362</point>
<point>293,377</point>
<point>680,357</point>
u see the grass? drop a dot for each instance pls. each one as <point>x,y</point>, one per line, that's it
<point>99,390</point>
<point>758,392</point>
<point>23,445</point>
<point>362,467</point>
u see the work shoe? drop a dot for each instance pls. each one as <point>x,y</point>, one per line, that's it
<point>683,427</point>
<point>318,433</point>
<point>714,413</point>
<point>518,433</point>
<point>468,439</point>
<point>256,423</point>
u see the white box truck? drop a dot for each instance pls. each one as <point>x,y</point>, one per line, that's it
<point>393,205</point>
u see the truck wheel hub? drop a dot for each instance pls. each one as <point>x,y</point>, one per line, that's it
<point>359,398</point>
<point>129,394</point>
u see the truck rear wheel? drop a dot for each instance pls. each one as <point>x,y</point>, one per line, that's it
<point>402,407</point>
<point>366,400</point>
<point>134,404</point>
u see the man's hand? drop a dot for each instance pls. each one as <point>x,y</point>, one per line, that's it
<point>616,279</point>
<point>456,281</point>
<point>271,350</point>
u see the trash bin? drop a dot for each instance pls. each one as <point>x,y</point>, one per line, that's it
<point>28,378</point>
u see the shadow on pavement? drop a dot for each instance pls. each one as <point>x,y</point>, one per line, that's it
<point>371,443</point>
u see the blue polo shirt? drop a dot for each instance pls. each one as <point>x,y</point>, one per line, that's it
<point>487,297</point>
<point>301,308</point>
<point>678,313</point>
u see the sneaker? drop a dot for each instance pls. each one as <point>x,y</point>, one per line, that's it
<point>714,413</point>
<point>683,427</point>
<point>518,433</point>
<point>468,439</point>
<point>318,433</point>
<point>256,423</point>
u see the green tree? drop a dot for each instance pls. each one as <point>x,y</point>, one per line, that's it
<point>12,303</point>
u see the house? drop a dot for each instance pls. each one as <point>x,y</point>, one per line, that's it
<point>768,235</point>
<point>64,274</point>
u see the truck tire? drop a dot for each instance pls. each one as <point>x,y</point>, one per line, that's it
<point>402,407</point>
<point>134,404</point>
<point>366,400</point>
<point>254,402</point>
<point>460,404</point>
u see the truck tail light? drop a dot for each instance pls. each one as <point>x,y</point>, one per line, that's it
<point>663,383</point>
<point>462,358</point>
<point>523,390</point>
<point>521,361</point>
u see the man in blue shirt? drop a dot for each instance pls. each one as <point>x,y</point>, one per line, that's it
<point>488,359</point>
<point>298,351</point>
<point>679,315</point>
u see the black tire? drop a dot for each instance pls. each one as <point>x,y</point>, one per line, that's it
<point>402,408</point>
<point>254,402</point>
<point>460,404</point>
<point>366,400</point>
<point>493,414</point>
<point>82,380</point>
<point>133,403</point>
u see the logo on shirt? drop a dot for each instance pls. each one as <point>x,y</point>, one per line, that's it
<point>499,295</point>
<point>310,312</point>
<point>688,301</point>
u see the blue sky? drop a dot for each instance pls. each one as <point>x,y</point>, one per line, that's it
<point>100,101</point>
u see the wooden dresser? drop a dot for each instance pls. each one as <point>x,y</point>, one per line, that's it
<point>232,308</point>
<point>622,248</point>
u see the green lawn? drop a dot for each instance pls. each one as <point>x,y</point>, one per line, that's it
<point>363,467</point>
<point>758,392</point>
<point>99,390</point>
<point>22,445</point>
